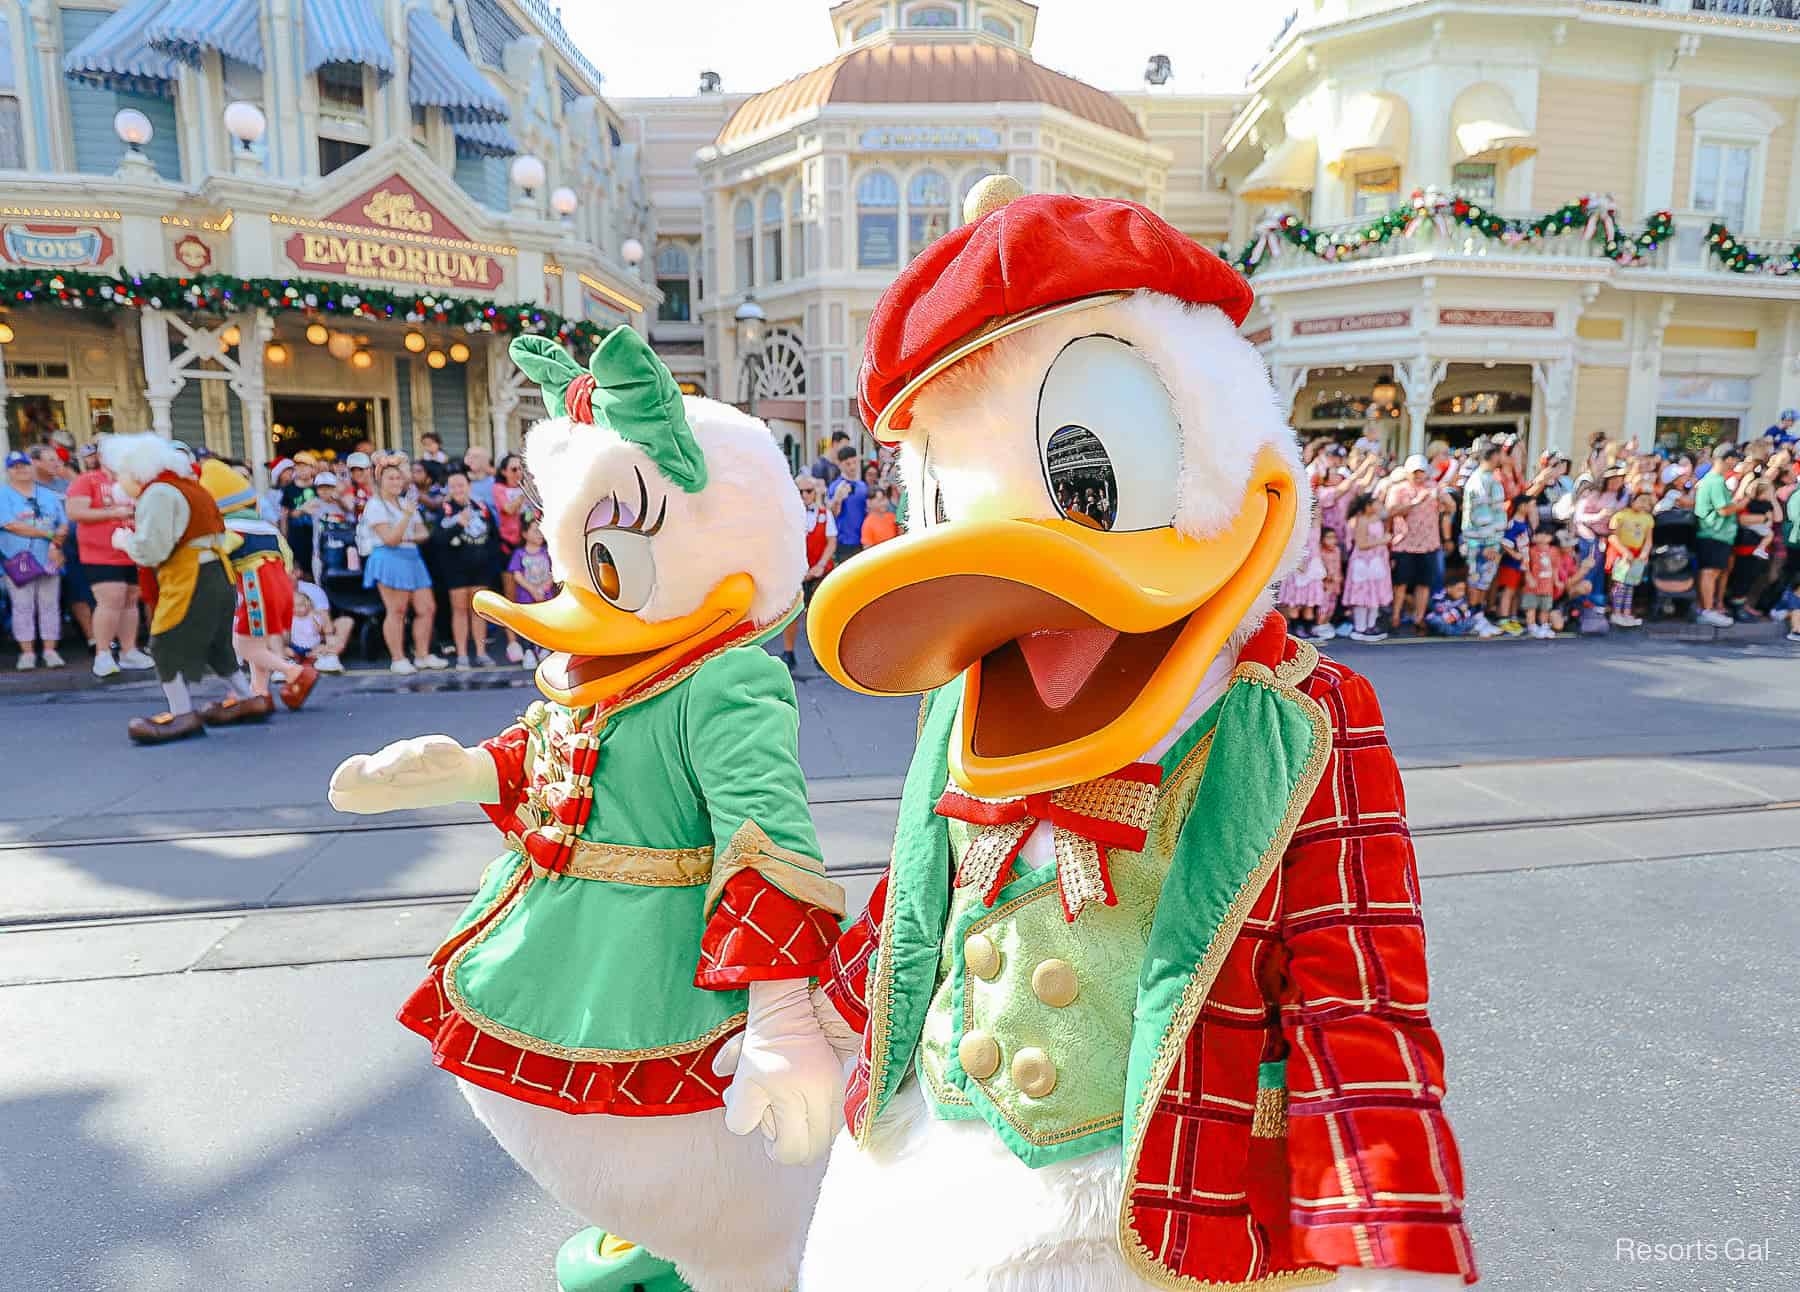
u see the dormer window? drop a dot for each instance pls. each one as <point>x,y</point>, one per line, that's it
<point>998,27</point>
<point>933,16</point>
<point>867,27</point>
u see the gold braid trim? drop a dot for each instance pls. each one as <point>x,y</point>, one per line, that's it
<point>525,1041</point>
<point>1269,1121</point>
<point>799,876</point>
<point>620,863</point>
<point>1137,1255</point>
<point>879,997</point>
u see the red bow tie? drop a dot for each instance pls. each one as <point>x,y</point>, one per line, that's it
<point>1109,812</point>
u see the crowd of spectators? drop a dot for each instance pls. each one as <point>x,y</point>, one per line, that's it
<point>1476,542</point>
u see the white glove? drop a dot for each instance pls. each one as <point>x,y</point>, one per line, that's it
<point>788,1080</point>
<point>1359,1278</point>
<point>121,539</point>
<point>426,771</point>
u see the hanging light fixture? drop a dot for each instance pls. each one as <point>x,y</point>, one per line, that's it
<point>6,333</point>
<point>317,333</point>
<point>340,345</point>
<point>415,341</point>
<point>275,352</point>
<point>363,360</point>
<point>459,352</point>
<point>436,359</point>
<point>1385,392</point>
<point>231,335</point>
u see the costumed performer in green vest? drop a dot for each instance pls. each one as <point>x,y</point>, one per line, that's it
<point>661,907</point>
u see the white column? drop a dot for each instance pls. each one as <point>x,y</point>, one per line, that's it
<point>1419,379</point>
<point>5,422</point>
<point>1656,161</point>
<point>1645,373</point>
<point>161,382</point>
<point>504,379</point>
<point>1554,380</point>
<point>1787,382</point>
<point>256,328</point>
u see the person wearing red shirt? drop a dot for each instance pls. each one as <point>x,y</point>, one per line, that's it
<point>98,508</point>
<point>821,547</point>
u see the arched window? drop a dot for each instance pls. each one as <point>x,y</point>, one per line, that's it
<point>998,27</point>
<point>933,15</point>
<point>743,224</point>
<point>927,209</point>
<point>796,247</point>
<point>868,27</point>
<point>772,220</point>
<point>672,266</point>
<point>877,221</point>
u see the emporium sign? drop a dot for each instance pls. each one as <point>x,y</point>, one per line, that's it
<point>55,246</point>
<point>899,139</point>
<point>391,234</point>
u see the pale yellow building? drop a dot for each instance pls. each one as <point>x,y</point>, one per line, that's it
<point>1521,107</point>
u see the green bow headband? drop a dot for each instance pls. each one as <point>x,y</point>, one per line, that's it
<point>625,388</point>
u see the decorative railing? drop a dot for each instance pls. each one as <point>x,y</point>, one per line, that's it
<point>1438,224</point>
<point>1778,10</point>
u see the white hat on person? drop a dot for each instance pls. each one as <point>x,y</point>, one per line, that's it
<point>325,478</point>
<point>358,460</point>
<point>1417,462</point>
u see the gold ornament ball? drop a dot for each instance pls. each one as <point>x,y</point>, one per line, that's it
<point>990,195</point>
<point>415,341</point>
<point>317,333</point>
<point>363,360</point>
<point>436,359</point>
<point>459,352</point>
<point>276,353</point>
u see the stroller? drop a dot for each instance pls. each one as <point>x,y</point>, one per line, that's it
<point>340,574</point>
<point>1673,575</point>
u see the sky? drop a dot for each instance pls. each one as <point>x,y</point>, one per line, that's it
<point>660,47</point>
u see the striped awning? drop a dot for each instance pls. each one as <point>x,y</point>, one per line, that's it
<point>484,139</point>
<point>117,54</point>
<point>347,31</point>
<point>441,75</point>
<point>188,29</point>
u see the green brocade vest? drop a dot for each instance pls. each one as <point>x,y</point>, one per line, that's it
<point>1063,1023</point>
<point>598,965</point>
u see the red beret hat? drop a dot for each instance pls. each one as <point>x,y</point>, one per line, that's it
<point>1024,256</point>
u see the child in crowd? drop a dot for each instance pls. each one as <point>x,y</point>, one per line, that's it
<point>1331,556</point>
<point>1758,519</point>
<point>1514,544</point>
<point>1368,582</point>
<point>532,581</point>
<point>1538,584</point>
<point>1574,577</point>
<point>1302,591</point>
<point>879,523</point>
<point>1789,608</point>
<point>1450,614</point>
<point>1628,554</point>
<point>317,637</point>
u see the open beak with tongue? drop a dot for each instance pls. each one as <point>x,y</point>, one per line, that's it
<point>1079,647</point>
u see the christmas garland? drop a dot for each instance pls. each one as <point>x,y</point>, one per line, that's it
<point>224,294</point>
<point>1594,217</point>
<point>1738,258</point>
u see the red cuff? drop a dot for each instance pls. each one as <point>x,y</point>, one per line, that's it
<point>508,752</point>
<point>846,985</point>
<point>758,933</point>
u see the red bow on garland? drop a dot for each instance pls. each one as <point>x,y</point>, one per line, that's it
<point>1108,812</point>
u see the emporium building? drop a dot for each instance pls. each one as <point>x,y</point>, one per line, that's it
<point>268,225</point>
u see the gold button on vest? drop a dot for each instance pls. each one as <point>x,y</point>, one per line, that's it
<point>979,1054</point>
<point>1054,983</point>
<point>982,956</point>
<point>1033,1073</point>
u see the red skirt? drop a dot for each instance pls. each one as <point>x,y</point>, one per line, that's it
<point>664,1087</point>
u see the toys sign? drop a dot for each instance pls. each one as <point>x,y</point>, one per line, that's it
<point>55,246</point>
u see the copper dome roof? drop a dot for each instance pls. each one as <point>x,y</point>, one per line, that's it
<point>927,71</point>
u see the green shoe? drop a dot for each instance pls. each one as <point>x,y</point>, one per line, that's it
<point>596,1261</point>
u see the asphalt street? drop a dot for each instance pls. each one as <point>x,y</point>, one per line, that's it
<point>202,1086</point>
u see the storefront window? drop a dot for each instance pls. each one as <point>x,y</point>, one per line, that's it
<point>1376,191</point>
<point>100,414</point>
<point>877,221</point>
<point>927,209</point>
<point>1475,181</point>
<point>672,282</point>
<point>1722,181</point>
<point>35,418</point>
<point>1694,435</point>
<point>743,225</point>
<point>772,220</point>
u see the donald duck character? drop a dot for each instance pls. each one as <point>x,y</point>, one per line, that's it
<point>661,907</point>
<point>1142,994</point>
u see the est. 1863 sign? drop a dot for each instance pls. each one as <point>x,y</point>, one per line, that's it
<point>391,234</point>
<point>55,246</point>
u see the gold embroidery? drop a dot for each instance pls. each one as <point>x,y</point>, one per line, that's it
<point>619,863</point>
<point>988,850</point>
<point>1270,1119</point>
<point>1137,1254</point>
<point>794,873</point>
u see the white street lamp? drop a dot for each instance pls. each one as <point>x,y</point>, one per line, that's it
<point>245,122</point>
<point>563,201</point>
<point>133,128</point>
<point>751,324</point>
<point>631,251</point>
<point>528,173</point>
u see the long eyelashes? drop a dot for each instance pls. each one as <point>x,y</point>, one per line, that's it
<point>611,515</point>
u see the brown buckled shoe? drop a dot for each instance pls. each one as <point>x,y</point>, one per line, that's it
<point>230,711</point>
<point>295,692</point>
<point>165,727</point>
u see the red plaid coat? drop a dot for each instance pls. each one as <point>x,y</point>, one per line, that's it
<point>1326,980</point>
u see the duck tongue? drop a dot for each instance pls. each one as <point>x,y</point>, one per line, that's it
<point>1061,660</point>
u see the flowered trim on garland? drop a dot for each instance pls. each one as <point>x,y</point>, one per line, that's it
<point>1591,218</point>
<point>1738,258</point>
<point>223,294</point>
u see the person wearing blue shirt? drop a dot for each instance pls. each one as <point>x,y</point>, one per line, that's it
<point>1783,431</point>
<point>849,503</point>
<point>33,525</point>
